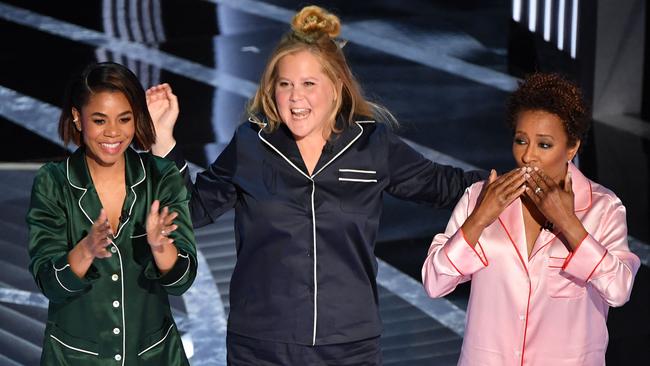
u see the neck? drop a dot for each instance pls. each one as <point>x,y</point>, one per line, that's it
<point>104,172</point>
<point>312,142</point>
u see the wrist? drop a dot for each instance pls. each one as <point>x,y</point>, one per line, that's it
<point>163,145</point>
<point>84,251</point>
<point>476,221</point>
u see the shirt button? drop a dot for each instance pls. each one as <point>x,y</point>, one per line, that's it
<point>115,277</point>
<point>116,304</point>
<point>116,331</point>
<point>118,357</point>
<point>114,250</point>
<point>521,317</point>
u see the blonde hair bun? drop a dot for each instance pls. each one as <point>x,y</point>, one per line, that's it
<point>314,21</point>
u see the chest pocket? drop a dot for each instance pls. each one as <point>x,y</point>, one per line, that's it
<point>559,283</point>
<point>359,190</point>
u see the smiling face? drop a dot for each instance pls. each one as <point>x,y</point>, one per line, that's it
<point>107,127</point>
<point>305,96</point>
<point>540,140</point>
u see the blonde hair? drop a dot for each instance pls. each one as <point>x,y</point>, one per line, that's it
<point>315,30</point>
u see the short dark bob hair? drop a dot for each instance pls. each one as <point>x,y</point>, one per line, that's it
<point>106,77</point>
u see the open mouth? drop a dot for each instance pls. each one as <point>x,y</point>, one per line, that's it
<point>112,148</point>
<point>300,113</point>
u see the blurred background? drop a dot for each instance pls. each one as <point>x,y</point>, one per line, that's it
<point>443,67</point>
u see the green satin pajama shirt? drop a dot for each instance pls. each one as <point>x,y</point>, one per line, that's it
<point>119,313</point>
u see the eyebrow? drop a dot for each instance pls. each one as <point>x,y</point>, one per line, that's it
<point>538,135</point>
<point>542,135</point>
<point>104,115</point>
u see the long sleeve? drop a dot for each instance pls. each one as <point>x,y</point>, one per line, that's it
<point>173,194</point>
<point>451,260</point>
<point>416,178</point>
<point>48,242</point>
<point>604,260</point>
<point>213,193</point>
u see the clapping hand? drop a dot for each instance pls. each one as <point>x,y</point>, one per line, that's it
<point>95,243</point>
<point>160,223</point>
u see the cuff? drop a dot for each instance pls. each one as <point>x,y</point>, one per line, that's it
<point>68,280</point>
<point>583,261</point>
<point>465,259</point>
<point>177,157</point>
<point>176,274</point>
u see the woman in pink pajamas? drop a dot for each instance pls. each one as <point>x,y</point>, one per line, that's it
<point>545,247</point>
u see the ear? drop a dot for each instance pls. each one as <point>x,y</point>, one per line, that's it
<point>76,119</point>
<point>571,153</point>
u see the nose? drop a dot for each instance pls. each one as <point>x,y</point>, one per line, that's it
<point>111,130</point>
<point>528,156</point>
<point>295,95</point>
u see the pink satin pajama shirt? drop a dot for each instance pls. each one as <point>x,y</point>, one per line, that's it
<point>546,309</point>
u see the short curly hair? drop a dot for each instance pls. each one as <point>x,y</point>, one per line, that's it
<point>554,94</point>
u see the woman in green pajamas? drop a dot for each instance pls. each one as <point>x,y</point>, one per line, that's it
<point>110,235</point>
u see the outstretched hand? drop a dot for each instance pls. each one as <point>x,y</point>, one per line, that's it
<point>163,108</point>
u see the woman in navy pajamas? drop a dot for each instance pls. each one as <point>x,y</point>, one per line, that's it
<point>306,175</point>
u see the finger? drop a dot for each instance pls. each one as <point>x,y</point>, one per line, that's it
<point>513,184</point>
<point>169,219</point>
<point>173,101</point>
<point>530,193</point>
<point>102,218</point>
<point>515,193</point>
<point>510,177</point>
<point>103,253</point>
<point>492,177</point>
<point>163,214</point>
<point>533,181</point>
<point>545,180</point>
<point>169,229</point>
<point>155,206</point>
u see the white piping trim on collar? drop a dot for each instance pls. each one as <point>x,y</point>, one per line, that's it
<point>183,168</point>
<point>342,150</point>
<point>74,348</point>
<point>259,134</point>
<point>157,343</point>
<point>189,263</point>
<point>138,236</point>
<point>56,275</point>
<point>67,173</point>
<point>144,172</point>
